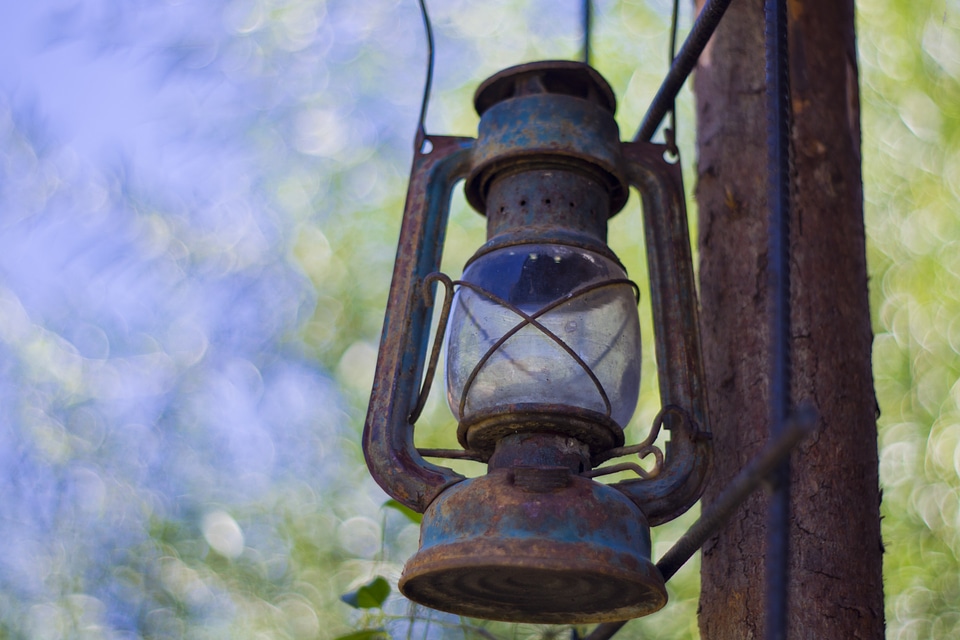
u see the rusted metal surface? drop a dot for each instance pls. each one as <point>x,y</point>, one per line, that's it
<point>539,451</point>
<point>595,430</point>
<point>547,205</point>
<point>676,336</point>
<point>388,433</point>
<point>557,77</point>
<point>535,544</point>
<point>546,115</point>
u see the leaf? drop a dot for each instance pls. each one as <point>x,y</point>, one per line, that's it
<point>370,596</point>
<point>412,515</point>
<point>366,634</point>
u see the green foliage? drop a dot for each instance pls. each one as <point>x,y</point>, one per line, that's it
<point>370,596</point>
<point>366,634</point>
<point>910,62</point>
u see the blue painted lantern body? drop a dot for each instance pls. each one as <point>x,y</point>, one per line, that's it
<point>593,565</point>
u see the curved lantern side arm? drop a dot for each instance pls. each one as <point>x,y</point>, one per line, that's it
<point>676,326</point>
<point>388,445</point>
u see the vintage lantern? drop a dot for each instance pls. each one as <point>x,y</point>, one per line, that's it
<point>543,361</point>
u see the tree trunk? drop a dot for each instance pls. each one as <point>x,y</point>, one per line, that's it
<point>835,588</point>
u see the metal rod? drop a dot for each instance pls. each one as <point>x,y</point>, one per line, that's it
<point>726,504</point>
<point>777,562</point>
<point>671,132</point>
<point>739,489</point>
<point>683,64</point>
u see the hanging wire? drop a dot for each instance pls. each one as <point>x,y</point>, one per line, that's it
<point>671,132</point>
<point>421,127</point>
<point>587,25</point>
<point>703,28</point>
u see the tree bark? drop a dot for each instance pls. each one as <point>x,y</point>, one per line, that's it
<point>835,585</point>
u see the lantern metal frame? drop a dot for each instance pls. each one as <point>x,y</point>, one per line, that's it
<point>558,127</point>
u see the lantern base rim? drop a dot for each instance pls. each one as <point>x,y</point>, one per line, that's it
<point>481,431</point>
<point>536,581</point>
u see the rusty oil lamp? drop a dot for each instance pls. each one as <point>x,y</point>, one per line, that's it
<point>543,361</point>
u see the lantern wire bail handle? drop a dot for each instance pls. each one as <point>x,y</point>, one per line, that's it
<point>431,371</point>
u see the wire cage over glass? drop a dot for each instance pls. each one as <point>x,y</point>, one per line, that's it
<point>546,326</point>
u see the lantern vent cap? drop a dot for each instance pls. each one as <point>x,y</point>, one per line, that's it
<point>562,77</point>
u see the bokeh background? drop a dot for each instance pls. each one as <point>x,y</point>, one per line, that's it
<point>199,203</point>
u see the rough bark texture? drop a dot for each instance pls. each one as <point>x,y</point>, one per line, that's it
<point>835,583</point>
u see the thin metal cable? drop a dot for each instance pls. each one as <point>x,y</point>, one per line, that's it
<point>671,132</point>
<point>421,127</point>
<point>587,25</point>
<point>778,140</point>
<point>684,63</point>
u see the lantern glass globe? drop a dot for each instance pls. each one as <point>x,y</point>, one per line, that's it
<point>519,317</point>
